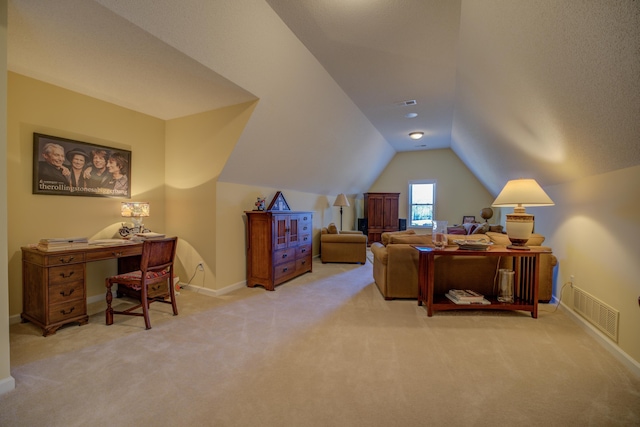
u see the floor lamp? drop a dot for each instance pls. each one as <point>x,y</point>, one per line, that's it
<point>341,201</point>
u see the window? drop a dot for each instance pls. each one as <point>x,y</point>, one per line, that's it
<point>421,203</point>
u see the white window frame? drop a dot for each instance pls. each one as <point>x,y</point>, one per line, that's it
<point>410,207</point>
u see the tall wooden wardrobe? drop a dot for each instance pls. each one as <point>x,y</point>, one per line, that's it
<point>381,212</point>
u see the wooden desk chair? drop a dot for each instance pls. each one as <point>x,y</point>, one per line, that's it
<point>152,283</point>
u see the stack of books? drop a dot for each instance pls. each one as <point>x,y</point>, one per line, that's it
<point>466,297</point>
<point>64,243</point>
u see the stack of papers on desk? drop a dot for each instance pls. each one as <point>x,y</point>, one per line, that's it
<point>111,242</point>
<point>62,243</point>
<point>150,235</point>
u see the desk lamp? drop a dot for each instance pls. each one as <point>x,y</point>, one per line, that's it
<point>136,211</point>
<point>341,201</point>
<point>520,193</point>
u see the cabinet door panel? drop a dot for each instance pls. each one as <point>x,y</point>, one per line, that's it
<point>280,238</point>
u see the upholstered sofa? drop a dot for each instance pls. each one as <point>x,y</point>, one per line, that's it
<point>342,246</point>
<point>395,266</point>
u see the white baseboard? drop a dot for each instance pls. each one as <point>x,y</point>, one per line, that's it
<point>7,384</point>
<point>212,292</point>
<point>604,341</point>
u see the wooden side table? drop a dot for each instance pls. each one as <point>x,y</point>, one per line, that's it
<point>525,286</point>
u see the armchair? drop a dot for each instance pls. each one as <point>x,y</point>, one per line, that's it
<point>343,246</point>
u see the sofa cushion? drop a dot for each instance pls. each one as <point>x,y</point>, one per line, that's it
<point>503,239</point>
<point>386,235</point>
<point>410,239</point>
<point>332,229</point>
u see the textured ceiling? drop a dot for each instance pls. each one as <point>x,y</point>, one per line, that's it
<point>548,89</point>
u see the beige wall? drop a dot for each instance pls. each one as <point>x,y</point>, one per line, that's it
<point>594,231</point>
<point>34,106</point>
<point>458,191</point>
<point>6,381</point>
<point>197,149</point>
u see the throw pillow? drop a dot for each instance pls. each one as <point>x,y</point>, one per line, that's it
<point>386,235</point>
<point>481,228</point>
<point>456,229</point>
<point>332,229</point>
<point>496,228</point>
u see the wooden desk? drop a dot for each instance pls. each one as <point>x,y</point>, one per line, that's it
<point>525,291</point>
<point>54,289</point>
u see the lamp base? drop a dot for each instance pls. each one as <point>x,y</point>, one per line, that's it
<point>519,248</point>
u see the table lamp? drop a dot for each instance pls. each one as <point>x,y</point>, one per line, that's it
<point>136,211</point>
<point>341,201</point>
<point>520,193</point>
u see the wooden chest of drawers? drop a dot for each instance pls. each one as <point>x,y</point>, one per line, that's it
<point>279,246</point>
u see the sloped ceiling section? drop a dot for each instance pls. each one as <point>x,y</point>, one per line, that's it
<point>384,52</point>
<point>305,130</point>
<point>86,48</point>
<point>547,89</point>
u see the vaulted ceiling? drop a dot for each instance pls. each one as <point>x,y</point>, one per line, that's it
<point>548,89</point>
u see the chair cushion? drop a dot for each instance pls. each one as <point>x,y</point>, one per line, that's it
<point>137,275</point>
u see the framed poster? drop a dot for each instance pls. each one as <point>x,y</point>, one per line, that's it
<point>468,219</point>
<point>65,167</point>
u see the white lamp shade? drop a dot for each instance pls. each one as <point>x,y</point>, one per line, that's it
<point>341,200</point>
<point>522,192</point>
<point>134,209</point>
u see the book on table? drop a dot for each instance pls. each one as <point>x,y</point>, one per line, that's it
<point>453,299</point>
<point>466,295</point>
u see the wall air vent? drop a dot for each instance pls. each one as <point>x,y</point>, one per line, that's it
<point>596,312</point>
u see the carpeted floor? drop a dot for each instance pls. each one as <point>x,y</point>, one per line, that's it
<point>324,349</point>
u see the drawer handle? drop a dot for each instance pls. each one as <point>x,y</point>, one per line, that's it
<point>66,276</point>
<point>284,255</point>
<point>67,261</point>
<point>305,218</point>
<point>117,254</point>
<point>69,312</point>
<point>66,295</point>
<point>306,238</point>
<point>304,262</point>
<point>156,287</point>
<point>304,228</point>
<point>284,270</point>
<point>303,251</point>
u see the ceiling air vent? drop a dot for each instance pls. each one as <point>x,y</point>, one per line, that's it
<point>406,103</point>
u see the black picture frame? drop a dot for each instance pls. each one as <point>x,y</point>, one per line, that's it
<point>468,219</point>
<point>54,173</point>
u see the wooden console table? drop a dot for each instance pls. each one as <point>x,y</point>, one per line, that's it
<point>525,291</point>
<point>54,290</point>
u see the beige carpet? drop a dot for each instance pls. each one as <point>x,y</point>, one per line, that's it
<point>322,350</point>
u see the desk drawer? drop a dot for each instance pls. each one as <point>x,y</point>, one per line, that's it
<point>66,274</point>
<point>111,253</point>
<point>52,258</point>
<point>66,292</point>
<point>67,310</point>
